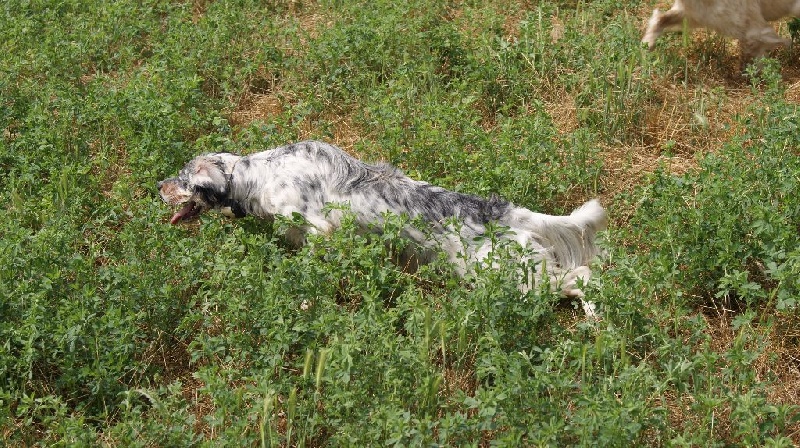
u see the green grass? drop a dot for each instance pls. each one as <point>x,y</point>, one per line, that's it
<point>118,329</point>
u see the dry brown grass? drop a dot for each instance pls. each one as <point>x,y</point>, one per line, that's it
<point>256,108</point>
<point>264,108</point>
<point>782,366</point>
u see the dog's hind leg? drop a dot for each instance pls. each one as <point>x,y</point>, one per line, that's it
<point>563,281</point>
<point>570,289</point>
<point>759,41</point>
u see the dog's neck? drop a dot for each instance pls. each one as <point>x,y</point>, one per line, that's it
<point>229,175</point>
<point>230,206</point>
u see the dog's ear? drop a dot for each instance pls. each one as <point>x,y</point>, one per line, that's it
<point>209,175</point>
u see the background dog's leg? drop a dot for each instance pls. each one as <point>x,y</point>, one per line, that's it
<point>760,41</point>
<point>671,20</point>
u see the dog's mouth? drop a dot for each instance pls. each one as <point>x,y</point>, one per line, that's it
<point>189,211</point>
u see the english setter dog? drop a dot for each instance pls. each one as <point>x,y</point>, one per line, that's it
<point>745,20</point>
<point>306,177</point>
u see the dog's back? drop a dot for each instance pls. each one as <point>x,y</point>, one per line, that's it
<point>372,189</point>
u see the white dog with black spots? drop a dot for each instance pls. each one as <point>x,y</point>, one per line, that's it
<point>307,177</point>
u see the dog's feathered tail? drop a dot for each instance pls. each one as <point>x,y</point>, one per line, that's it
<point>570,239</point>
<point>586,221</point>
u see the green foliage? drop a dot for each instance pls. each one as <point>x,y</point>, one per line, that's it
<point>118,329</point>
<point>736,217</point>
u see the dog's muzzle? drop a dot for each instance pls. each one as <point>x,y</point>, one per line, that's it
<point>175,194</point>
<point>193,204</point>
<point>188,212</point>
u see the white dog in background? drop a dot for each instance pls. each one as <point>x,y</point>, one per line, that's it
<point>745,20</point>
<point>306,177</point>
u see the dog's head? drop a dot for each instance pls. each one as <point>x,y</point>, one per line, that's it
<point>203,184</point>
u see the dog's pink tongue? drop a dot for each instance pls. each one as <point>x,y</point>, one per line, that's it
<point>181,213</point>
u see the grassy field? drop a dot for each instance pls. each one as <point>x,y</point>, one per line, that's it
<point>117,329</point>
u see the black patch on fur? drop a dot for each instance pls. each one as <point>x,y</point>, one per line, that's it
<point>211,196</point>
